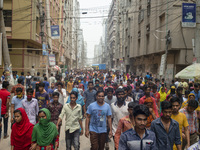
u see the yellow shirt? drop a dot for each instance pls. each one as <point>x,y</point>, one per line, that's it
<point>69,87</point>
<point>182,120</point>
<point>183,85</point>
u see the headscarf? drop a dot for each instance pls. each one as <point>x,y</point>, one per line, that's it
<point>186,102</point>
<point>45,132</point>
<point>21,132</point>
<point>172,91</point>
<point>150,117</point>
<point>79,100</point>
<point>163,95</point>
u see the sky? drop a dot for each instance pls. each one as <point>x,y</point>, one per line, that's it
<point>92,27</point>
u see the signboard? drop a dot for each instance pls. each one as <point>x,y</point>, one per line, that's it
<point>43,61</point>
<point>55,32</point>
<point>188,15</point>
<point>44,51</point>
<point>162,65</point>
<point>52,60</point>
<point>1,48</point>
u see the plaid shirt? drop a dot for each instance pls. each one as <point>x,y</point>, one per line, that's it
<point>17,86</point>
<point>55,110</point>
<point>192,120</point>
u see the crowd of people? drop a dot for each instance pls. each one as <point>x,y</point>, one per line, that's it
<point>135,112</point>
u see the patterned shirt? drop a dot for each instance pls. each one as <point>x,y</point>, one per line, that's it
<point>123,125</point>
<point>192,120</point>
<point>55,110</point>
<point>17,86</point>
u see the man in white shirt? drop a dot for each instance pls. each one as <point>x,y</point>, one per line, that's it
<point>52,79</point>
<point>62,93</point>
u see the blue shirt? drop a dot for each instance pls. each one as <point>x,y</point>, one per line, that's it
<point>130,140</point>
<point>98,117</point>
<point>23,78</point>
<point>164,140</point>
<point>89,96</point>
<point>17,102</point>
<point>79,101</point>
<point>197,95</point>
<point>85,84</point>
<point>46,85</point>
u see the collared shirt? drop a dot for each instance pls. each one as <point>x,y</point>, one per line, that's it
<point>61,96</point>
<point>113,100</point>
<point>72,117</point>
<point>89,96</point>
<point>123,125</point>
<point>130,140</point>
<point>31,108</point>
<point>55,110</point>
<point>17,101</point>
<point>117,114</point>
<point>17,86</point>
<point>192,120</point>
<point>164,140</point>
<point>0,109</point>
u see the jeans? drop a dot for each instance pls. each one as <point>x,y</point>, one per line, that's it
<point>97,140</point>
<point>5,126</point>
<point>72,138</point>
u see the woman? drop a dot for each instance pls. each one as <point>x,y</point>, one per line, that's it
<point>21,131</point>
<point>45,134</point>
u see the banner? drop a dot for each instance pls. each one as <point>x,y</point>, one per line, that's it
<point>52,60</point>
<point>44,51</point>
<point>55,32</point>
<point>188,15</point>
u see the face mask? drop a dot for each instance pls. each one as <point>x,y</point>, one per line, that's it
<point>19,96</point>
<point>121,100</point>
<point>43,121</point>
<point>29,96</point>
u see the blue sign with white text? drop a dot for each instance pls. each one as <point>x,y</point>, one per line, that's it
<point>188,15</point>
<point>55,32</point>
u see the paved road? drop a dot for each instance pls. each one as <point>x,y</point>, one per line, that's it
<point>85,142</point>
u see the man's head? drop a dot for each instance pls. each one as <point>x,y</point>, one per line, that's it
<point>100,96</point>
<point>196,87</point>
<point>131,106</point>
<point>41,86</point>
<point>52,74</point>
<point>120,93</point>
<point>90,85</point>
<point>34,79</point>
<point>182,80</point>
<point>29,94</point>
<point>129,81</point>
<point>22,73</point>
<point>5,84</point>
<point>28,73</point>
<point>110,92</point>
<point>76,84</point>
<point>176,103</point>
<point>129,89</point>
<point>73,97</point>
<point>191,96</point>
<point>108,82</point>
<point>14,76</point>
<point>147,90</point>
<point>70,78</point>
<point>52,85</point>
<point>140,113</point>
<point>179,90</point>
<point>38,73</point>
<point>45,78</point>
<point>97,83</point>
<point>154,88</point>
<point>59,85</point>
<point>192,105</point>
<point>55,96</point>
<point>19,92</point>
<point>137,86</point>
<point>44,75</point>
<point>173,81</point>
<point>20,80</point>
<point>166,109</point>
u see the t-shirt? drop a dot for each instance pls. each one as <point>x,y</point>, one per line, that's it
<point>42,99</point>
<point>28,80</point>
<point>98,117</point>
<point>46,85</point>
<point>69,86</point>
<point>114,99</point>
<point>183,85</point>
<point>4,95</point>
<point>23,78</point>
<point>17,102</point>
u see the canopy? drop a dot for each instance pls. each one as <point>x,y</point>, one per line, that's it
<point>190,72</point>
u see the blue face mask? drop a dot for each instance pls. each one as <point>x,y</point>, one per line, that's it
<point>97,85</point>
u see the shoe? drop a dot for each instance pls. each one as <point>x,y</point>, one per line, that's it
<point>5,137</point>
<point>107,146</point>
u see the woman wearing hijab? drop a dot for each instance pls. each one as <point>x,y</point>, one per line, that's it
<point>45,134</point>
<point>80,101</point>
<point>191,96</point>
<point>21,131</point>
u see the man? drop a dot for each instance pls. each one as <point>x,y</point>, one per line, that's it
<point>62,93</point>
<point>20,80</point>
<point>110,98</point>
<point>166,129</point>
<point>32,71</point>
<point>22,77</point>
<point>125,124</point>
<point>97,115</point>
<point>85,83</point>
<point>73,122</point>
<point>119,109</point>
<point>33,83</point>
<point>38,77</point>
<point>5,98</point>
<point>127,98</point>
<point>179,94</point>
<point>136,93</point>
<point>138,138</point>
<point>28,80</point>
<point>70,84</point>
<point>55,108</point>
<point>46,84</point>
<point>16,102</point>
<point>52,79</point>
<point>42,96</point>
<point>196,92</point>
<point>181,119</point>
<point>176,82</point>
<point>191,116</point>
<point>50,91</point>
<point>184,85</point>
<point>89,94</point>
<point>30,105</point>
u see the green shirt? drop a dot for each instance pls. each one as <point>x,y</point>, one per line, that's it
<point>72,117</point>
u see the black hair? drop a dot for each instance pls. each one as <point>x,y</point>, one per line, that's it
<point>196,85</point>
<point>187,92</point>
<point>76,82</point>
<point>141,109</point>
<point>137,84</point>
<point>45,78</point>
<point>41,112</point>
<point>19,89</point>
<point>59,83</point>
<point>29,90</point>
<point>108,81</point>
<point>38,73</point>
<point>51,74</point>
<point>125,89</point>
<point>35,79</point>
<point>28,72</point>
<point>175,99</point>
<point>41,84</point>
<point>96,80</point>
<point>131,105</point>
<point>70,77</point>
<point>90,82</point>
<point>154,86</point>
<point>55,94</point>
<point>110,89</point>
<point>166,105</point>
<point>5,84</point>
<point>173,81</point>
<point>179,89</point>
<point>119,90</point>
<point>193,103</point>
<point>145,87</point>
<point>129,88</point>
<point>44,74</point>
<point>20,80</point>
<point>18,111</point>
<point>100,91</point>
<point>22,73</point>
<point>74,93</point>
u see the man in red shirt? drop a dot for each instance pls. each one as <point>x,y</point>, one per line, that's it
<point>5,97</point>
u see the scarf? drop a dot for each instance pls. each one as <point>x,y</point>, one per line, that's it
<point>186,102</point>
<point>21,132</point>
<point>45,132</point>
<point>163,95</point>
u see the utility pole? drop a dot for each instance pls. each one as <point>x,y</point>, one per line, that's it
<point>197,32</point>
<point>6,55</point>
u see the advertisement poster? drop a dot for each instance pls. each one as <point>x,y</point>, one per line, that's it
<point>55,32</point>
<point>188,15</point>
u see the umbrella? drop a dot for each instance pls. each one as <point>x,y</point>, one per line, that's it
<point>189,72</point>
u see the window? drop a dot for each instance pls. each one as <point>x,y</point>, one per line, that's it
<point>140,15</point>
<point>7,17</point>
<point>37,52</point>
<point>37,25</point>
<point>9,47</point>
<point>29,49</point>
